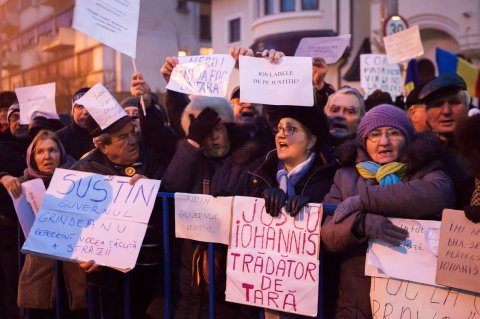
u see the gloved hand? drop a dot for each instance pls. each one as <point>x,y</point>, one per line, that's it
<point>472,213</point>
<point>346,208</point>
<point>274,200</point>
<point>380,227</point>
<point>201,126</point>
<point>295,204</point>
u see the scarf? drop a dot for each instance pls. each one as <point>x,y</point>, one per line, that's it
<point>219,152</point>
<point>287,181</point>
<point>387,174</point>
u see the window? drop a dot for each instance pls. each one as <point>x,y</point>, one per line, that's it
<point>182,53</point>
<point>85,62</point>
<point>28,38</point>
<point>64,19</point>
<point>269,7</point>
<point>309,4</point>
<point>45,28</point>
<point>205,30</point>
<point>287,5</point>
<point>234,30</point>
<point>205,51</point>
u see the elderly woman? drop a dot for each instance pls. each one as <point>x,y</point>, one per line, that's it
<point>300,169</point>
<point>387,172</point>
<point>36,287</point>
<point>212,159</point>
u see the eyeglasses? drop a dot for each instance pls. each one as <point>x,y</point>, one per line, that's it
<point>392,134</point>
<point>287,130</point>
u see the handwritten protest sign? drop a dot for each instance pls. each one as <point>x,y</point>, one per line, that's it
<point>329,48</point>
<point>37,100</point>
<point>418,252</point>
<point>203,217</point>
<point>458,263</point>
<point>102,106</point>
<point>391,298</point>
<point>403,45</point>
<point>87,216</point>
<point>112,22</point>
<point>205,75</point>
<point>287,83</point>
<point>377,74</point>
<point>28,203</point>
<point>273,262</point>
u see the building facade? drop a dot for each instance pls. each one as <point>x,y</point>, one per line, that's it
<point>39,46</point>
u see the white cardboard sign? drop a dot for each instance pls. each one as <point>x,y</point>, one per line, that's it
<point>329,48</point>
<point>403,45</point>
<point>112,22</point>
<point>377,74</point>
<point>418,252</point>
<point>103,107</point>
<point>28,203</point>
<point>37,100</point>
<point>205,75</point>
<point>203,217</point>
<point>391,298</point>
<point>273,262</point>
<point>86,216</point>
<point>287,83</point>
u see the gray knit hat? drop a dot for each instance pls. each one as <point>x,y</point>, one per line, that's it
<point>385,115</point>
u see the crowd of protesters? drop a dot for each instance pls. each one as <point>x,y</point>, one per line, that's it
<point>372,156</point>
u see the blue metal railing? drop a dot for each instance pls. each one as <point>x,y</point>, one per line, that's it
<point>328,209</point>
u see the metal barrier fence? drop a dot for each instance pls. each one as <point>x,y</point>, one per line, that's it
<point>328,209</point>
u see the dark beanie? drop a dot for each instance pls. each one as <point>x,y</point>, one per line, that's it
<point>385,115</point>
<point>77,95</point>
<point>130,101</point>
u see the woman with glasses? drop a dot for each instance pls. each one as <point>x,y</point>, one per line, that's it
<point>387,172</point>
<point>299,170</point>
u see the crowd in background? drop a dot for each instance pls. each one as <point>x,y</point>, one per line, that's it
<point>372,156</point>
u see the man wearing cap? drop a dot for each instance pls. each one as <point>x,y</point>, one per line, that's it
<point>446,102</point>
<point>13,147</point>
<point>7,98</point>
<point>74,137</point>
<point>119,151</point>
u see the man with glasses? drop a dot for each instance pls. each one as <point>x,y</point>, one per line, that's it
<point>446,103</point>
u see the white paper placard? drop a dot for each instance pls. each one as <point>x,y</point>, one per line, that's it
<point>329,48</point>
<point>403,45</point>
<point>103,107</point>
<point>419,251</point>
<point>287,83</point>
<point>377,74</point>
<point>86,216</point>
<point>273,262</point>
<point>205,75</point>
<point>28,203</point>
<point>391,298</point>
<point>112,22</point>
<point>203,217</point>
<point>37,100</point>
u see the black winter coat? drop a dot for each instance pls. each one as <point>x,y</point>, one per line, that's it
<point>75,140</point>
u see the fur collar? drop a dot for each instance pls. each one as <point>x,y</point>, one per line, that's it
<point>422,150</point>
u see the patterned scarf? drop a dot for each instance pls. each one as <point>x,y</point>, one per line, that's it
<point>476,193</point>
<point>287,181</point>
<point>390,173</point>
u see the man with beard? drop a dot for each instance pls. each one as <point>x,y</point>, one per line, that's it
<point>13,147</point>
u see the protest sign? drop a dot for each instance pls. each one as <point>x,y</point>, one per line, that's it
<point>112,22</point>
<point>273,262</point>
<point>329,48</point>
<point>103,107</point>
<point>86,216</point>
<point>205,75</point>
<point>203,217</point>
<point>458,263</point>
<point>28,203</point>
<point>391,298</point>
<point>417,252</point>
<point>37,100</point>
<point>377,74</point>
<point>287,83</point>
<point>403,45</point>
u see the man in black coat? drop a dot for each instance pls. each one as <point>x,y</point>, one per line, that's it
<point>74,137</point>
<point>118,151</point>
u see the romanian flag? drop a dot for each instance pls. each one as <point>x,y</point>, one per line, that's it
<point>412,78</point>
<point>448,62</point>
